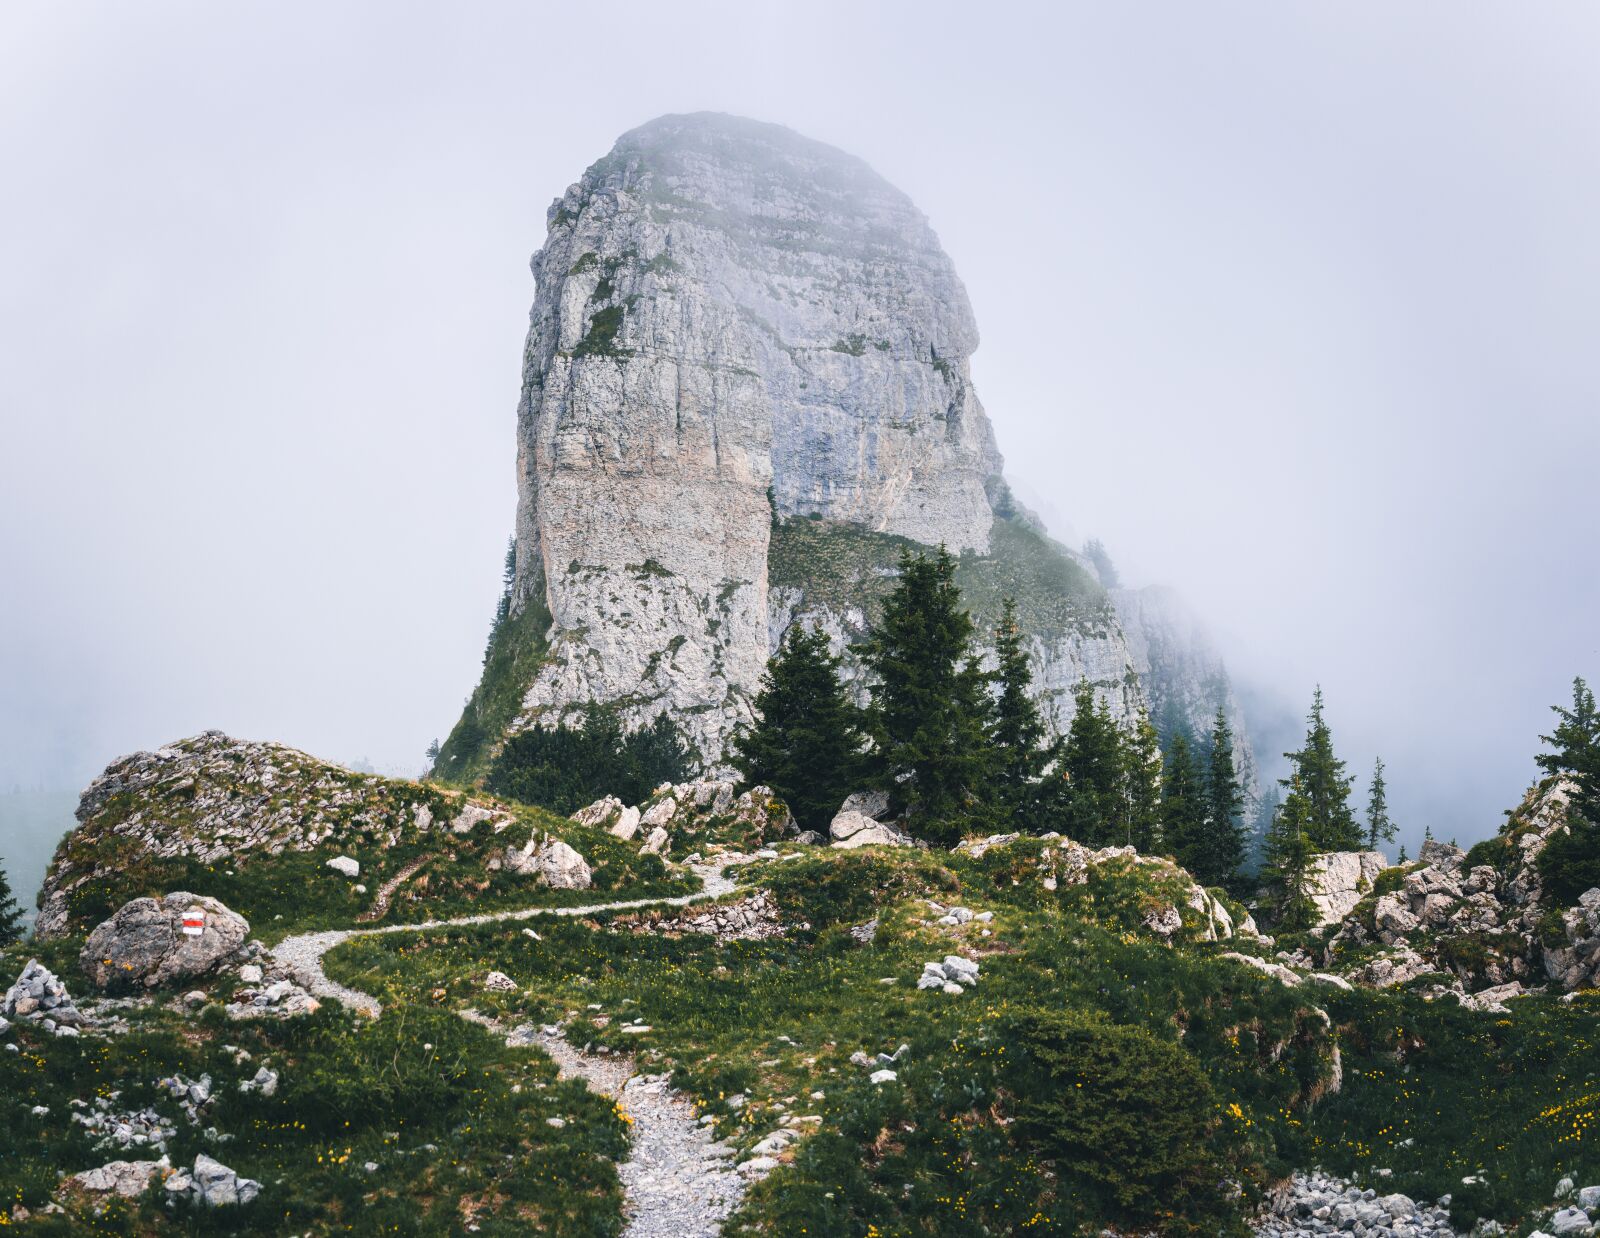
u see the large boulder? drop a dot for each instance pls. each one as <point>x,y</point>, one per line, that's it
<point>145,943</point>
<point>859,823</point>
<point>1338,880</point>
<point>854,829</point>
<point>552,861</point>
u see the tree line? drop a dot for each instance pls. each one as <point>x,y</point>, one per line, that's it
<point>963,749</point>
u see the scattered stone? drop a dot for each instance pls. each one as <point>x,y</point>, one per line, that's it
<point>264,1081</point>
<point>282,999</point>
<point>883,1076</point>
<point>657,842</point>
<point>345,865</point>
<point>128,1179</point>
<point>866,933</point>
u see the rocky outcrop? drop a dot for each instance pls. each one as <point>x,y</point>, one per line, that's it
<point>732,324</point>
<point>702,812</point>
<point>213,798</point>
<point>151,942</point>
<point>744,343</point>
<point>1477,922</point>
<point>1337,880</point>
<point>552,862</point>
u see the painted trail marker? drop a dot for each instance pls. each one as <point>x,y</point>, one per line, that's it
<point>194,922</point>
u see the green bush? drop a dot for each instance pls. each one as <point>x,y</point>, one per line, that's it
<point>562,768</point>
<point>1127,1118</point>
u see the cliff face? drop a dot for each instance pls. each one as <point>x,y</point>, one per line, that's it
<point>745,387</point>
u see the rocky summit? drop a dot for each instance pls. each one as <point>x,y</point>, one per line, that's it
<point>746,389</point>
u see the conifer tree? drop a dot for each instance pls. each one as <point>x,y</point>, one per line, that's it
<point>1221,850</point>
<point>1092,760</point>
<point>930,706</point>
<point>1329,821</point>
<point>1379,827</point>
<point>10,912</point>
<point>1287,861</point>
<point>1569,865</point>
<point>1141,786</point>
<point>1017,734</point>
<point>806,743</point>
<point>1183,806</point>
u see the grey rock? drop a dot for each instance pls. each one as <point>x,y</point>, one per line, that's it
<point>551,861</point>
<point>1569,1221</point>
<point>216,1186</point>
<point>128,1179</point>
<point>143,944</point>
<point>345,865</point>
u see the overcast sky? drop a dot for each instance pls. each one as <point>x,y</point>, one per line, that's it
<point>1294,306</point>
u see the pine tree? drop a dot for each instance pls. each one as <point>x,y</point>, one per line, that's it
<point>1141,787</point>
<point>1092,761</point>
<point>806,743</point>
<point>1287,862</point>
<point>1183,806</point>
<point>1569,865</point>
<point>1221,853</point>
<point>1017,734</point>
<point>10,913</point>
<point>1329,821</point>
<point>930,706</point>
<point>1379,827</point>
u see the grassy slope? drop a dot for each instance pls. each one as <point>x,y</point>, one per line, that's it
<point>841,566</point>
<point>1512,1097</point>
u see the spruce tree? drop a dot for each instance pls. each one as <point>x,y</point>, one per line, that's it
<point>1222,848</point>
<point>930,706</point>
<point>1379,827</point>
<point>10,912</point>
<point>806,742</point>
<point>1017,734</point>
<point>1092,760</point>
<point>1329,821</point>
<point>1141,786</point>
<point>1287,861</point>
<point>1183,806</point>
<point>1569,865</point>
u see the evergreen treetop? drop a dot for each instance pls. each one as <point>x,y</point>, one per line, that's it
<point>1569,865</point>
<point>1183,806</point>
<point>1324,786</point>
<point>930,707</point>
<point>806,742</point>
<point>1379,827</point>
<point>1092,760</point>
<point>1222,850</point>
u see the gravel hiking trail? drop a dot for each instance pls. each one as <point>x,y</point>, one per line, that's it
<point>678,1180</point>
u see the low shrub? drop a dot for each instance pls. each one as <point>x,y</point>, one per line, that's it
<point>1128,1119</point>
